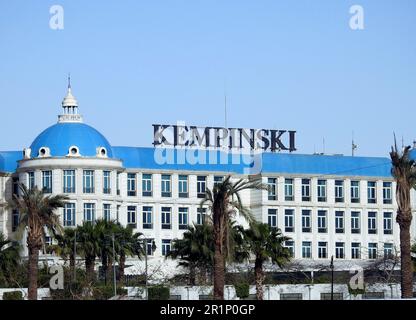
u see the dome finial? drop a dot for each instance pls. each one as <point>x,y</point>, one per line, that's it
<point>69,80</point>
<point>70,106</point>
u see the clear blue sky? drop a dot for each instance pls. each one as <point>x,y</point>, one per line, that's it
<point>285,65</point>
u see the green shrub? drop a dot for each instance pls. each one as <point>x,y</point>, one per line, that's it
<point>355,292</point>
<point>106,292</point>
<point>158,293</point>
<point>242,290</point>
<point>13,295</point>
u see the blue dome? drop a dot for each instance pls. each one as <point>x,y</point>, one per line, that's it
<point>61,136</point>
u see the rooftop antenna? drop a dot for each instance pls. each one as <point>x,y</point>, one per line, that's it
<point>353,145</point>
<point>69,80</point>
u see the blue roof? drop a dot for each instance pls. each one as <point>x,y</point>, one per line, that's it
<point>147,158</point>
<point>61,136</point>
<point>8,160</point>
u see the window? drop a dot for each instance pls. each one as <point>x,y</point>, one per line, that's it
<point>339,250</point>
<point>355,222</point>
<point>69,181</point>
<point>372,222</point>
<point>306,221</point>
<point>306,190</point>
<point>201,182</point>
<point>47,181</point>
<point>388,251</point>
<point>107,211</point>
<point>355,250</point>
<point>372,251</point>
<point>387,191</point>
<point>150,244</point>
<point>166,218</point>
<point>272,218</point>
<point>106,182</point>
<point>89,212</point>
<point>147,217</point>
<point>290,245</point>
<point>272,189</point>
<point>200,215</point>
<point>131,184</point>
<point>69,214</point>
<point>118,183</point>
<point>355,191</point>
<point>88,180</point>
<point>218,180</point>
<point>16,186</point>
<point>31,180</point>
<point>147,185</point>
<point>322,250</point>
<point>183,218</point>
<point>371,191</point>
<point>118,213</point>
<point>321,190</point>
<point>322,223</point>
<point>183,186</point>
<point>289,189</point>
<point>388,223</point>
<point>15,220</point>
<point>306,249</point>
<point>166,247</point>
<point>166,187</point>
<point>339,221</point>
<point>131,217</point>
<point>339,191</point>
<point>289,220</point>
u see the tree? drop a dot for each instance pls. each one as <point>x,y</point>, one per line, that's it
<point>89,246</point>
<point>36,214</point>
<point>9,257</point>
<point>224,202</point>
<point>404,172</point>
<point>66,247</point>
<point>266,244</point>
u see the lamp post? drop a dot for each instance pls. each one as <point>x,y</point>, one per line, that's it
<point>332,277</point>
<point>114,267</point>
<point>145,241</point>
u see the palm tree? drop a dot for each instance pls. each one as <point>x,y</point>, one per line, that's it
<point>105,230</point>
<point>266,244</point>
<point>224,202</point>
<point>9,257</point>
<point>404,172</point>
<point>65,247</point>
<point>36,214</point>
<point>89,246</point>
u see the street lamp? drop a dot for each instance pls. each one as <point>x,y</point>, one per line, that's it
<point>145,241</point>
<point>332,277</point>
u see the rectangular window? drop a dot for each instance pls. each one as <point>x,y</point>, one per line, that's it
<point>322,221</point>
<point>147,218</point>
<point>339,191</point>
<point>131,184</point>
<point>272,218</point>
<point>339,221</point>
<point>89,212</point>
<point>147,185</point>
<point>201,182</point>
<point>166,185</point>
<point>272,189</point>
<point>321,190</point>
<point>106,182</point>
<point>355,191</point>
<point>306,190</point>
<point>339,250</point>
<point>387,192</point>
<point>183,186</point>
<point>388,251</point>
<point>371,192</point>
<point>118,213</point>
<point>150,245</point>
<point>15,220</point>
<point>131,217</point>
<point>322,250</point>
<point>289,220</point>
<point>355,250</point>
<point>166,218</point>
<point>69,181</point>
<point>306,221</point>
<point>107,211</point>
<point>306,249</point>
<point>69,214</point>
<point>166,247</point>
<point>47,181</point>
<point>388,223</point>
<point>372,251</point>
<point>218,180</point>
<point>289,189</point>
<point>31,180</point>
<point>88,180</point>
<point>118,183</point>
<point>372,222</point>
<point>200,215</point>
<point>355,222</point>
<point>16,186</point>
<point>183,218</point>
<point>290,244</point>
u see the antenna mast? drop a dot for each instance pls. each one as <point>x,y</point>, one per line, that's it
<point>353,145</point>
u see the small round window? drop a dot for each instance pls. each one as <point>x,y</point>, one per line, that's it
<point>42,151</point>
<point>103,151</point>
<point>74,151</point>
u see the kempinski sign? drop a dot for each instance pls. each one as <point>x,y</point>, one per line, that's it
<point>219,137</point>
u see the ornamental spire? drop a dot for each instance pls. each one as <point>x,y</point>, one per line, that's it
<point>70,106</point>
